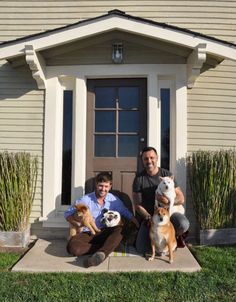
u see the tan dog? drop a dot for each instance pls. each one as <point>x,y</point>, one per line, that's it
<point>85,220</point>
<point>162,234</point>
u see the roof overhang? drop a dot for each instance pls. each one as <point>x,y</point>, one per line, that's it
<point>201,45</point>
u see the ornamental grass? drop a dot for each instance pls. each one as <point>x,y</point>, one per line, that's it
<point>18,175</point>
<point>212,179</point>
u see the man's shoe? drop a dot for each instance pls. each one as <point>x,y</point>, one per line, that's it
<point>94,260</point>
<point>181,239</point>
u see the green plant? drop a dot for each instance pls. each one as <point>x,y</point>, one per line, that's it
<point>18,175</point>
<point>212,179</point>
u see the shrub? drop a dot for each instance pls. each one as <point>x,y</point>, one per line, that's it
<point>212,179</point>
<point>18,175</point>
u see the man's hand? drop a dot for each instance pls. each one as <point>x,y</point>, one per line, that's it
<point>76,221</point>
<point>162,199</point>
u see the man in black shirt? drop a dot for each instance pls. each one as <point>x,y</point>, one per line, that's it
<point>144,187</point>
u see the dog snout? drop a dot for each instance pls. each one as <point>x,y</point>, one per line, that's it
<point>109,218</point>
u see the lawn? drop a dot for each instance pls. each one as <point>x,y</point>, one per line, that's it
<point>216,282</point>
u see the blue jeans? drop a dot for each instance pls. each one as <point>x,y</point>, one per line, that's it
<point>143,244</point>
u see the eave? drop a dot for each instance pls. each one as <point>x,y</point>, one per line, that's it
<point>201,45</point>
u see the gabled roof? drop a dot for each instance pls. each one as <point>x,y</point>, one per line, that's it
<point>118,20</point>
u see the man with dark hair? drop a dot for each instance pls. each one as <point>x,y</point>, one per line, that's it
<point>100,245</point>
<point>144,187</point>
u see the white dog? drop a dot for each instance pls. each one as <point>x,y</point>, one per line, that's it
<point>167,189</point>
<point>111,218</point>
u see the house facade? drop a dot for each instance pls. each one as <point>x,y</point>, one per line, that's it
<point>86,85</point>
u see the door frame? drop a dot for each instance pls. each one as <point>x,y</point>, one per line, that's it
<point>60,78</point>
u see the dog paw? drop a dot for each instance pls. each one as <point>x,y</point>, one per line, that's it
<point>150,259</point>
<point>171,261</point>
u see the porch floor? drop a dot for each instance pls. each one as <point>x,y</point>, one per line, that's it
<point>51,256</point>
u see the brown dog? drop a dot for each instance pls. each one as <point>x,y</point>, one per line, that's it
<point>162,234</point>
<point>85,220</point>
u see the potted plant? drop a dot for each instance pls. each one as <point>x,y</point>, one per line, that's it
<point>212,179</point>
<point>18,175</point>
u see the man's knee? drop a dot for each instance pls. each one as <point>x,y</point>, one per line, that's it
<point>74,247</point>
<point>180,222</point>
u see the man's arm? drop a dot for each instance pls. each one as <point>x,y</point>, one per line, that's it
<point>179,199</point>
<point>75,221</point>
<point>137,199</point>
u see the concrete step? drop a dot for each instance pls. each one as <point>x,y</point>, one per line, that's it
<point>51,256</point>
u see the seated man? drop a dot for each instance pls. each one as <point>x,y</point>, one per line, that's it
<point>100,245</point>
<point>144,187</point>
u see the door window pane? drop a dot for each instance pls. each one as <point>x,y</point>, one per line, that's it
<point>105,145</point>
<point>128,121</point>
<point>128,146</point>
<point>128,97</point>
<point>105,97</point>
<point>105,121</point>
<point>165,128</point>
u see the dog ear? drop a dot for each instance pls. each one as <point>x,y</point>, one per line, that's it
<point>161,178</point>
<point>104,211</point>
<point>172,177</point>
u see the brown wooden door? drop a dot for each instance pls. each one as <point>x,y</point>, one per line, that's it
<point>116,129</point>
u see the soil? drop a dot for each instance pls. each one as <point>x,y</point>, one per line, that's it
<point>17,250</point>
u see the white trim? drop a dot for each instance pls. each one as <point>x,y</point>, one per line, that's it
<point>75,77</point>
<point>181,130</point>
<point>52,149</point>
<point>195,62</point>
<point>109,23</point>
<point>36,64</point>
<point>79,138</point>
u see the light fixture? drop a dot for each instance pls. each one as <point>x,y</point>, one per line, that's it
<point>117,53</point>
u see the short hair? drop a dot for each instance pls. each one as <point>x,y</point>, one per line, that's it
<point>103,177</point>
<point>146,149</point>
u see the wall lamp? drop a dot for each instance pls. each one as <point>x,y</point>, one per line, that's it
<point>117,53</point>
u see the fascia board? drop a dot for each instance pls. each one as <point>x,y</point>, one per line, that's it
<point>80,31</point>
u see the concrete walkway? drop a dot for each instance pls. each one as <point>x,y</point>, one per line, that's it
<point>51,256</point>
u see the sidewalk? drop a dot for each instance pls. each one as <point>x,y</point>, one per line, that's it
<point>51,256</point>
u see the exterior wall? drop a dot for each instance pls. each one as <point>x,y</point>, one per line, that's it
<point>212,109</point>
<point>21,118</point>
<point>215,18</point>
<point>211,103</point>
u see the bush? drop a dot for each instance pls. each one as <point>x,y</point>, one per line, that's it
<point>18,175</point>
<point>212,179</point>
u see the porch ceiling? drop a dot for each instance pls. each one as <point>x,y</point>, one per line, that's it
<point>113,36</point>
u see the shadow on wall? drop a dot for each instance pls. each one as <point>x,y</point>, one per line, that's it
<point>15,81</point>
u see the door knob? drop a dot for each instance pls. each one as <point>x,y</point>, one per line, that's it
<point>142,139</point>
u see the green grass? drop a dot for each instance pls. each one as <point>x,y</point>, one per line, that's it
<point>216,282</point>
